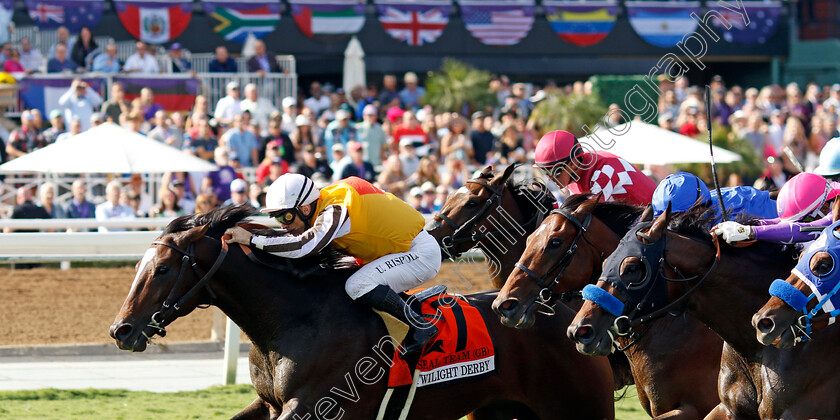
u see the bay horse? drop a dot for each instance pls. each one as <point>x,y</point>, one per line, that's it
<point>564,255</point>
<point>777,323</point>
<point>493,213</point>
<point>673,265</point>
<point>317,354</point>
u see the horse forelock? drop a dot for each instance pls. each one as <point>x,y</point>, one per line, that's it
<point>617,216</point>
<point>525,192</point>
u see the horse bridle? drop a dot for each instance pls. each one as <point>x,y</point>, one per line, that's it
<point>546,288</point>
<point>450,241</point>
<point>170,306</point>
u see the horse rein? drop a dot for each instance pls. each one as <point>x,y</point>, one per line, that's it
<point>450,241</point>
<point>546,288</point>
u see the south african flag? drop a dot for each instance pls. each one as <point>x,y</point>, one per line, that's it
<point>235,20</point>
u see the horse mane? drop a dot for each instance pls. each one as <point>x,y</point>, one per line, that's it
<point>618,216</point>
<point>528,190</point>
<point>222,218</point>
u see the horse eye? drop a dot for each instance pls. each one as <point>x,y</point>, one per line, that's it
<point>161,270</point>
<point>631,270</point>
<point>821,264</point>
<point>555,243</point>
<point>472,203</point>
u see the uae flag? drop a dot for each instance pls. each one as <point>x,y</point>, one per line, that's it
<point>153,21</point>
<point>236,20</point>
<point>328,17</point>
<point>176,94</point>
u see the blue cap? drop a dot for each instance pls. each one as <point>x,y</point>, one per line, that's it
<point>682,190</point>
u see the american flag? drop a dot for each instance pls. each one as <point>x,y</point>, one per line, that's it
<point>493,25</point>
<point>45,13</point>
<point>415,27</point>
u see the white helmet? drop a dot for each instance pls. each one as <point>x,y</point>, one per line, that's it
<point>288,192</point>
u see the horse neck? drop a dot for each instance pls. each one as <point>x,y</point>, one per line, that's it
<point>731,294</point>
<point>504,249</point>
<point>602,241</point>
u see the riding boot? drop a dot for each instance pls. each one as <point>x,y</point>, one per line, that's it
<point>388,301</point>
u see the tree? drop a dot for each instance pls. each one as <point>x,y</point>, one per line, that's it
<point>559,111</point>
<point>457,85</point>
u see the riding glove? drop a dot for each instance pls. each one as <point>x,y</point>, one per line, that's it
<point>733,231</point>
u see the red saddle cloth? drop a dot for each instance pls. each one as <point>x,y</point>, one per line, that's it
<point>462,348</point>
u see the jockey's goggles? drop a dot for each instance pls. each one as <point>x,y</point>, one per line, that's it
<point>287,216</point>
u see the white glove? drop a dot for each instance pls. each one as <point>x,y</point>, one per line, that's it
<point>733,232</point>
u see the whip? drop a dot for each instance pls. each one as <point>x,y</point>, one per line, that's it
<point>712,152</point>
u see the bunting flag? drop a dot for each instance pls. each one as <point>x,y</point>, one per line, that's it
<point>154,21</point>
<point>581,23</point>
<point>43,94</point>
<point>236,19</point>
<point>498,22</point>
<point>74,14</point>
<point>328,17</point>
<point>414,22</point>
<point>175,94</point>
<point>763,17</point>
<point>662,24</point>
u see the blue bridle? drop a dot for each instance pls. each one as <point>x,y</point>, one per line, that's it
<point>824,287</point>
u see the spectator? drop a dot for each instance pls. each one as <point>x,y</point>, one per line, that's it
<point>204,203</point>
<point>410,130</point>
<point>415,198</point>
<point>111,209</point>
<point>242,142</point>
<point>31,59</point>
<point>689,126</point>
<point>370,134</point>
<point>164,133</point>
<point>318,102</point>
<point>456,143</point>
<point>304,135</point>
<point>289,114</point>
<point>273,149</point>
<point>133,121</point>
<point>280,141</point>
<point>228,106</point>
<point>392,179</point>
<point>79,207</point>
<point>336,102</point>
<point>260,108</point>
<point>116,104</point>
<point>256,196</point>
<point>5,52</point>
<point>181,184</point>
<point>135,184</point>
<point>61,63</point>
<point>83,48</point>
<point>64,37</point>
<point>312,163</point>
<point>389,97</point>
<point>238,194</point>
<point>508,143</point>
<point>774,175</point>
<point>200,110</point>
<point>483,141</point>
<point>222,63</point>
<point>179,63</point>
<point>219,180</point>
<point>107,62</point>
<point>96,119</point>
<point>150,107</point>
<point>755,133</point>
<point>337,160</point>
<point>412,94</point>
<point>47,194</point>
<point>142,61</point>
<point>276,168</point>
<point>25,139</point>
<point>408,157</point>
<point>26,209</point>
<point>132,199</point>
<point>12,63</point>
<point>428,196</point>
<point>358,166</point>
<point>168,206</point>
<point>340,131</point>
<point>426,172</point>
<point>79,102</point>
<point>203,143</point>
<point>262,61</point>
<point>75,128</point>
<point>57,127</point>
<point>368,98</point>
<point>441,195</point>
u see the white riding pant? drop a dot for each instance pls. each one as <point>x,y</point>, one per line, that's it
<point>400,271</point>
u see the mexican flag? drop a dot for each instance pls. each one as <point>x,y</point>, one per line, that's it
<point>235,20</point>
<point>328,17</point>
<point>154,21</point>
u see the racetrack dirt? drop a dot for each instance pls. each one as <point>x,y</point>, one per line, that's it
<point>76,306</point>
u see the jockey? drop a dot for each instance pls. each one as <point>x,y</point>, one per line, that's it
<point>379,229</point>
<point>563,159</point>
<point>803,206</point>
<point>683,190</point>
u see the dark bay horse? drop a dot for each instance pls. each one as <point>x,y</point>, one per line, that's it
<point>565,254</point>
<point>659,268</point>
<point>318,354</point>
<point>493,213</point>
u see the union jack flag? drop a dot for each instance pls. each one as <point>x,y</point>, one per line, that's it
<point>44,13</point>
<point>412,23</point>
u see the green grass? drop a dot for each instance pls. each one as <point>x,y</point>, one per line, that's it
<point>213,403</point>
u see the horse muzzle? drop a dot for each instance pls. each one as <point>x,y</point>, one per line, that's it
<point>590,340</point>
<point>772,330</point>
<point>513,313</point>
<point>129,336</point>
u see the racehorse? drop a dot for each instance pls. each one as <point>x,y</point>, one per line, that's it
<point>317,354</point>
<point>493,213</point>
<point>564,255</point>
<point>659,268</point>
<point>777,323</point>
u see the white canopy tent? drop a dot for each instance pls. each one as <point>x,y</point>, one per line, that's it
<point>107,148</point>
<point>648,144</point>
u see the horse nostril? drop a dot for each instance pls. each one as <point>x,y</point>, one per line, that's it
<point>584,334</point>
<point>765,325</point>
<point>121,332</point>
<point>509,305</point>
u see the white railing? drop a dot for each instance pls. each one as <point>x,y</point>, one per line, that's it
<point>272,86</point>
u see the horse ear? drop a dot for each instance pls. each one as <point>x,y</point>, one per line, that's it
<point>505,175</point>
<point>647,215</point>
<point>658,228</point>
<point>835,209</point>
<point>195,233</point>
<point>587,207</point>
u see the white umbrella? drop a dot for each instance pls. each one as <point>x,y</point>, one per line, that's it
<point>107,148</point>
<point>649,144</point>
<point>354,67</point>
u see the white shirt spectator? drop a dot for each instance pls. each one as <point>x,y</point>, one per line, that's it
<point>145,64</point>
<point>81,107</point>
<point>318,105</point>
<point>32,60</point>
<point>260,110</point>
<point>108,211</point>
<point>227,107</point>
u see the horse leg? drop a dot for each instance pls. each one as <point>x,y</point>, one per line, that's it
<point>295,410</point>
<point>683,412</point>
<point>720,412</point>
<point>259,409</point>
